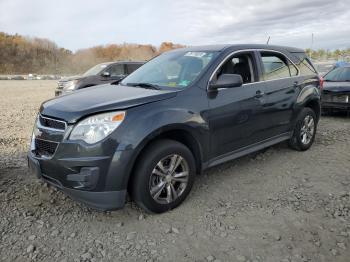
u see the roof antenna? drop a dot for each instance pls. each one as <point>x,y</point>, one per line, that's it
<point>268,40</point>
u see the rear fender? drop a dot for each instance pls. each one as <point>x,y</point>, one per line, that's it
<point>309,95</point>
<point>309,92</point>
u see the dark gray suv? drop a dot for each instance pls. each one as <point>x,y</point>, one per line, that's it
<point>179,114</point>
<point>99,74</point>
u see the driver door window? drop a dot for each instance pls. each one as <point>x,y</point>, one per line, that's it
<point>116,70</point>
<point>241,64</point>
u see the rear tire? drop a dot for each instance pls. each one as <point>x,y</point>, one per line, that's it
<point>163,176</point>
<point>304,131</point>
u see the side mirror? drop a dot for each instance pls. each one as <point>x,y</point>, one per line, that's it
<point>106,74</point>
<point>226,81</point>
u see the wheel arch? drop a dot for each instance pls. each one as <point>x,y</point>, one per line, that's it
<point>315,105</point>
<point>177,133</point>
<point>309,97</point>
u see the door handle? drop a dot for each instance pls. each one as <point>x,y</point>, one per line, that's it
<point>259,94</point>
<point>296,83</point>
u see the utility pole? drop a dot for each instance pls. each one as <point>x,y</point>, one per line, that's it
<point>312,44</point>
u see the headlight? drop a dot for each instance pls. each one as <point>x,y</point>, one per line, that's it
<point>97,127</point>
<point>70,85</point>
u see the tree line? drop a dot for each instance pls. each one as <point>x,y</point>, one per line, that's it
<point>24,55</point>
<point>324,54</point>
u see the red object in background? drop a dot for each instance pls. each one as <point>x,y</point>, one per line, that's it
<point>321,82</point>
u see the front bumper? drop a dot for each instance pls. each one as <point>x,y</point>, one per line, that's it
<point>103,200</point>
<point>59,92</point>
<point>96,174</point>
<point>336,106</point>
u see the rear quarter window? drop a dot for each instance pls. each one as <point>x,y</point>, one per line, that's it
<point>304,64</point>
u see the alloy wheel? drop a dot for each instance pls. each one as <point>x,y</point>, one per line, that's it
<point>169,179</point>
<point>307,129</point>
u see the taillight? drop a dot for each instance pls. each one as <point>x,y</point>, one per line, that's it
<point>321,82</point>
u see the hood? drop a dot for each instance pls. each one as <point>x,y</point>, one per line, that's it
<point>336,87</point>
<point>100,98</point>
<point>70,78</point>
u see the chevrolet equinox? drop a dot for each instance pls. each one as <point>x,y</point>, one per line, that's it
<point>179,114</point>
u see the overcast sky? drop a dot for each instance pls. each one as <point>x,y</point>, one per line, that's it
<point>76,24</point>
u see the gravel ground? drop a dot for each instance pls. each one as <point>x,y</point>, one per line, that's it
<point>277,205</point>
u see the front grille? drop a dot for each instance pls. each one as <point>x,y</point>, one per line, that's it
<point>52,123</point>
<point>60,85</point>
<point>44,148</point>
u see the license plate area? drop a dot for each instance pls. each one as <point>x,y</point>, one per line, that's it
<point>341,99</point>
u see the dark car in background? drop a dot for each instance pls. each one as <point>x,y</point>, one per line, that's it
<point>336,90</point>
<point>17,78</point>
<point>182,112</point>
<point>99,74</point>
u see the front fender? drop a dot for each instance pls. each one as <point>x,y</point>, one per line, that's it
<point>150,123</point>
<point>144,126</point>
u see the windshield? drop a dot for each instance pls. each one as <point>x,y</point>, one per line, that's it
<point>338,75</point>
<point>175,69</point>
<point>95,70</point>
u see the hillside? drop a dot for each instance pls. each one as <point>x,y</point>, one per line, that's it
<point>23,55</point>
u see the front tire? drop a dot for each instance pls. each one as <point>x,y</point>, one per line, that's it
<point>304,131</point>
<point>164,176</point>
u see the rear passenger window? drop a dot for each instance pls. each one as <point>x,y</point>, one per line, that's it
<point>277,66</point>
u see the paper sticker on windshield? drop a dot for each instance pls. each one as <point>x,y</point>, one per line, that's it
<point>172,84</point>
<point>195,54</point>
<point>184,83</point>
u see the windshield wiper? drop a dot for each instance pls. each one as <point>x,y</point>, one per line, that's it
<point>117,82</point>
<point>145,85</point>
